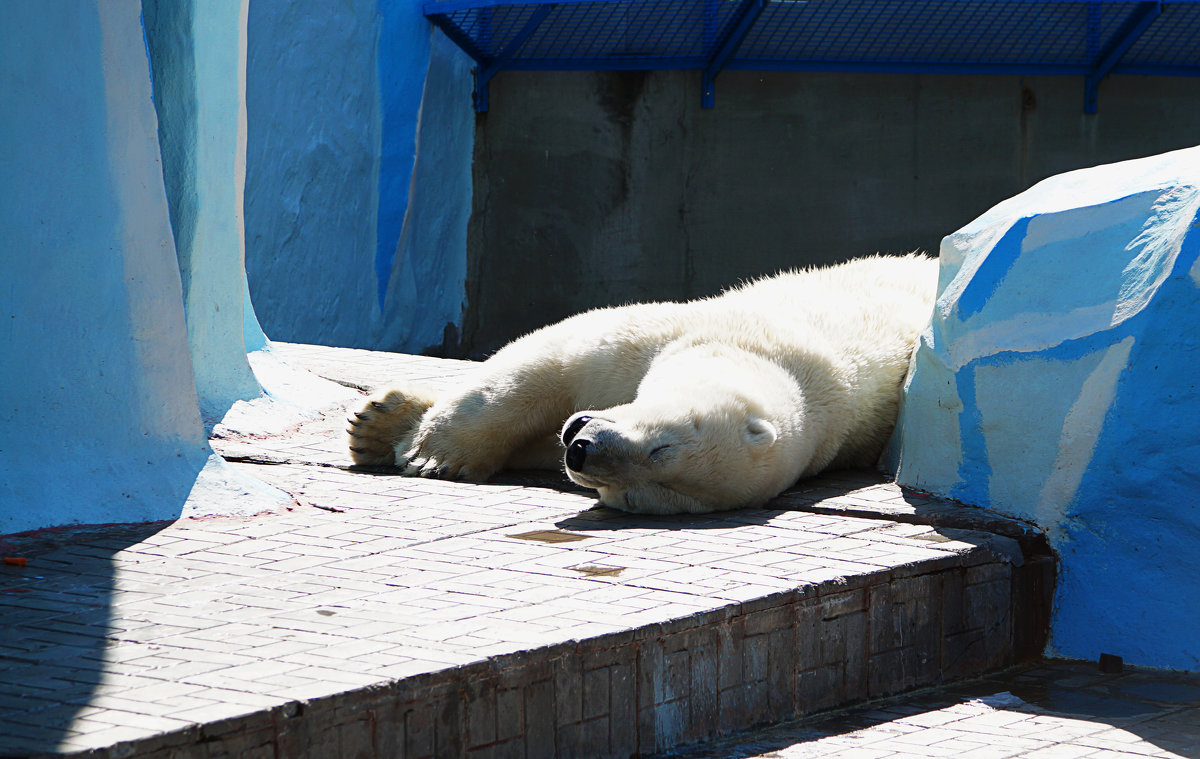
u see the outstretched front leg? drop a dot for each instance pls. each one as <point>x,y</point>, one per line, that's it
<point>507,416</point>
<point>385,426</point>
<point>507,413</point>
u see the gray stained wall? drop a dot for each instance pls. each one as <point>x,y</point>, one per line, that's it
<point>602,188</point>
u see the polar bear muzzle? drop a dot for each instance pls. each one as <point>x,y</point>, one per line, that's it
<point>577,445</point>
<point>597,449</point>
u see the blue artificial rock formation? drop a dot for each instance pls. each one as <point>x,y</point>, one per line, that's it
<point>1057,383</point>
<point>358,173</point>
<point>99,413</point>
<point>197,55</point>
<point>125,317</point>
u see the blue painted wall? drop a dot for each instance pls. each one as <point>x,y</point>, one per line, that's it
<point>1058,383</point>
<point>358,186</point>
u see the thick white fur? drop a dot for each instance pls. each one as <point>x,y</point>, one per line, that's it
<point>691,407</point>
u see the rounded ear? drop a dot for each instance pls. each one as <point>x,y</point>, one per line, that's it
<point>760,432</point>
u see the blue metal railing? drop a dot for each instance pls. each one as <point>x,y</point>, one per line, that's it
<point>1088,38</point>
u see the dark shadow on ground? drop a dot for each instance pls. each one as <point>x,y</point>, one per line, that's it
<point>526,478</point>
<point>863,494</point>
<point>55,614</point>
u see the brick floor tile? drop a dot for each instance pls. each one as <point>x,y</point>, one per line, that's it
<point>218,710</point>
<point>113,715</point>
<point>1060,751</point>
<point>21,739</point>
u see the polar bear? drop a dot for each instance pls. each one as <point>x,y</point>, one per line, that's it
<point>666,408</point>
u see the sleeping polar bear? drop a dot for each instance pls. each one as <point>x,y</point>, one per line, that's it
<point>665,408</point>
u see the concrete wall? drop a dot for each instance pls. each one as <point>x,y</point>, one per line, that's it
<point>601,188</point>
<point>99,416</point>
<point>358,173</point>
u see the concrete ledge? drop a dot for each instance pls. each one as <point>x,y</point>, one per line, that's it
<point>390,617</point>
<point>669,684</point>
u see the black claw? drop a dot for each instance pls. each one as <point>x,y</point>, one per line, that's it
<point>354,422</point>
<point>359,450</point>
<point>379,405</point>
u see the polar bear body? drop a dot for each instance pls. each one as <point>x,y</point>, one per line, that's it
<point>701,406</point>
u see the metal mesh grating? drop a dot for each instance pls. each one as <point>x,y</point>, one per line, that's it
<point>618,32</point>
<point>1088,37</point>
<point>599,35</point>
<point>1170,46</point>
<point>938,34</point>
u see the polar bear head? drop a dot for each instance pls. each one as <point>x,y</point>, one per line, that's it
<point>712,427</point>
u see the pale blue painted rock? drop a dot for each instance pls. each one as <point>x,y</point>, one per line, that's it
<point>197,53</point>
<point>1057,382</point>
<point>358,173</point>
<point>99,419</point>
<point>198,56</point>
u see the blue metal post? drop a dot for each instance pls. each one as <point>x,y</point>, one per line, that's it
<point>484,73</point>
<point>739,26</point>
<point>1137,23</point>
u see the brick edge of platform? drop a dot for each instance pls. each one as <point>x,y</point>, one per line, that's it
<point>672,684</point>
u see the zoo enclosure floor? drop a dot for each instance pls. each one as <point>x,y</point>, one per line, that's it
<point>398,617</point>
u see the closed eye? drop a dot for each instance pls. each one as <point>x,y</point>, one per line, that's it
<point>654,454</point>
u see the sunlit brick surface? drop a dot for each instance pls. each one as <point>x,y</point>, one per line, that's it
<point>396,617</point>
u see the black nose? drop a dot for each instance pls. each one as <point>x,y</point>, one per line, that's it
<point>573,428</point>
<point>577,454</point>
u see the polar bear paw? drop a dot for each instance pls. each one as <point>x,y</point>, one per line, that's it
<point>386,425</point>
<point>442,450</point>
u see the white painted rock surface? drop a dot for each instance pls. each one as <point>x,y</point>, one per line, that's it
<point>1057,382</point>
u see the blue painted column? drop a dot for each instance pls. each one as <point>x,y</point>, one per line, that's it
<point>403,63</point>
<point>99,420</point>
<point>198,55</point>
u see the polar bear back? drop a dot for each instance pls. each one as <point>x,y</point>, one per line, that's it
<point>866,301</point>
<point>860,319</point>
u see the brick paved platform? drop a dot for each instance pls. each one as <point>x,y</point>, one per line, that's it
<point>396,617</point>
